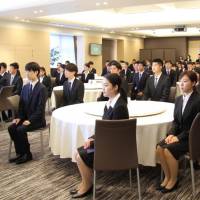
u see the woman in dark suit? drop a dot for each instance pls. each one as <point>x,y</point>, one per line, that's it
<point>87,74</point>
<point>115,109</point>
<point>176,143</point>
<point>45,80</point>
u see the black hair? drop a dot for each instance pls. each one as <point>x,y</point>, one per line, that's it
<point>158,60</point>
<point>115,79</point>
<point>168,61</point>
<point>116,64</point>
<point>197,70</point>
<point>191,75</point>
<point>140,62</point>
<point>67,62</point>
<point>71,67</point>
<point>87,65</point>
<point>43,69</point>
<point>32,66</point>
<point>3,64</point>
<point>90,63</point>
<point>15,65</point>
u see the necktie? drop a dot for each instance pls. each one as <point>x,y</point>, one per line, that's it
<point>155,81</point>
<point>140,75</point>
<point>168,72</point>
<point>69,85</point>
<point>30,90</point>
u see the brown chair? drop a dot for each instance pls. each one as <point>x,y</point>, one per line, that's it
<point>13,103</point>
<point>194,147</point>
<point>4,93</point>
<point>172,94</point>
<point>58,98</point>
<point>115,147</point>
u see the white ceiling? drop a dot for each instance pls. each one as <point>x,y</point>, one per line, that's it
<point>139,17</point>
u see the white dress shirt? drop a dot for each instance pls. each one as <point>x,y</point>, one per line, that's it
<point>111,103</point>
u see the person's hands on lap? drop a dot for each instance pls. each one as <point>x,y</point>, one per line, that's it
<point>16,121</point>
<point>88,143</point>
<point>171,139</point>
<point>26,122</point>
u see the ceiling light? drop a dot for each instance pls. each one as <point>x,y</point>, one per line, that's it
<point>97,4</point>
<point>16,17</point>
<point>41,11</point>
<point>105,3</point>
<point>35,11</point>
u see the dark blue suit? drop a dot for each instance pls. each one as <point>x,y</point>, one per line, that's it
<point>31,108</point>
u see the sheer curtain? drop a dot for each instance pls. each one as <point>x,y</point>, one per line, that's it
<point>62,48</point>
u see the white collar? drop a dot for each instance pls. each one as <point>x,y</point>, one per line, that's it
<point>112,103</point>
<point>187,96</point>
<point>33,83</point>
<point>158,76</point>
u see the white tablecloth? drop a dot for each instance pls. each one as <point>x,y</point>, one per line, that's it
<point>71,126</point>
<point>92,91</point>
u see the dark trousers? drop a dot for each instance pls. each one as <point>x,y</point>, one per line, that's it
<point>18,133</point>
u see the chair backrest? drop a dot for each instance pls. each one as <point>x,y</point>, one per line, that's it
<point>4,93</point>
<point>115,145</point>
<point>53,82</point>
<point>58,98</point>
<point>194,138</point>
<point>13,101</point>
<point>172,94</point>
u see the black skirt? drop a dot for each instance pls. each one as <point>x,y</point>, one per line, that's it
<point>87,156</point>
<point>177,149</point>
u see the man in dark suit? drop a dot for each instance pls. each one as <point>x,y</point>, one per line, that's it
<point>92,69</point>
<point>131,66</point>
<point>157,86</point>
<point>15,79</point>
<point>3,75</point>
<point>115,68</point>
<point>31,114</point>
<point>126,72</point>
<point>60,77</point>
<point>139,82</point>
<point>170,73</point>
<point>45,80</point>
<point>73,89</point>
<point>106,69</point>
<point>87,74</point>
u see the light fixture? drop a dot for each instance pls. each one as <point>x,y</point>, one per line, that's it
<point>105,3</point>
<point>97,4</point>
<point>35,11</point>
<point>41,11</point>
<point>16,17</point>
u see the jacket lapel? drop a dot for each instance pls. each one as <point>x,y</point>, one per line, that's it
<point>188,105</point>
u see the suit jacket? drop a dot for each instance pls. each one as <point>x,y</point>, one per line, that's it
<point>172,76</point>
<point>161,92</point>
<point>32,106</point>
<point>139,85</point>
<point>128,76</point>
<point>4,80</point>
<point>124,87</point>
<point>198,88</point>
<point>182,122</point>
<point>119,111</point>
<point>93,70</point>
<point>47,83</point>
<point>85,79</point>
<point>59,81</point>
<point>104,71</point>
<point>75,95</point>
<point>17,83</point>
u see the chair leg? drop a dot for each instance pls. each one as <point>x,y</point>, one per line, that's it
<point>10,148</point>
<point>130,177</point>
<point>42,145</point>
<point>138,181</point>
<point>94,184</point>
<point>192,176</point>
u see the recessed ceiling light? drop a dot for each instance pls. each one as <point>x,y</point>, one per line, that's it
<point>97,4</point>
<point>105,3</point>
<point>112,31</point>
<point>41,11</point>
<point>16,17</point>
<point>23,20</point>
<point>35,11</point>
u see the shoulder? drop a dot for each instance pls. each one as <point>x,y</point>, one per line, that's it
<point>120,103</point>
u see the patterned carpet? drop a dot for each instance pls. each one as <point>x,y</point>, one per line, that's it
<point>51,178</point>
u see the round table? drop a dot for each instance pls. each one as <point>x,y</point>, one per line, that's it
<point>72,125</point>
<point>91,92</point>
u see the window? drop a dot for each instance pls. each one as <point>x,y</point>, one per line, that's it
<point>61,49</point>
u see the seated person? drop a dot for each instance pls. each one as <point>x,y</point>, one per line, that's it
<point>157,86</point>
<point>60,77</point>
<point>176,144</point>
<point>197,71</point>
<point>3,75</point>
<point>87,74</point>
<point>115,68</point>
<point>115,109</point>
<point>73,89</point>
<point>92,69</point>
<point>31,114</point>
<point>106,69</point>
<point>45,80</point>
<point>139,82</point>
<point>126,72</point>
<point>15,79</point>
